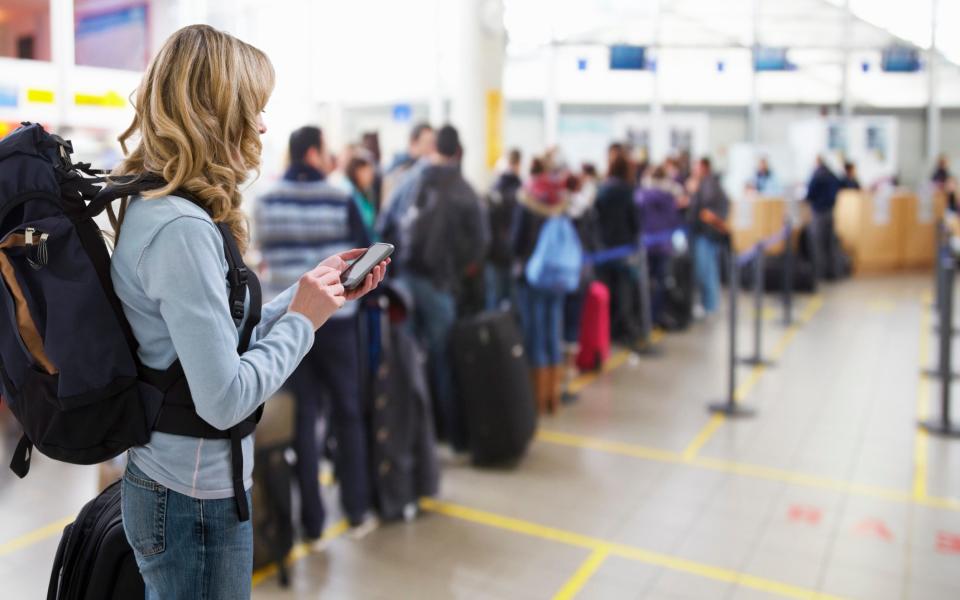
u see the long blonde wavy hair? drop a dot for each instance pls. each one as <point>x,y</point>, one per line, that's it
<point>197,111</point>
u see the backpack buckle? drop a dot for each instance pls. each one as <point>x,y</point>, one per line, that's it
<point>238,277</point>
<point>237,310</point>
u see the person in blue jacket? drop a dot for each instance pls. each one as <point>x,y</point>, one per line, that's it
<point>822,195</point>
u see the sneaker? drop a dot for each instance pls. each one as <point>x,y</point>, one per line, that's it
<point>364,528</point>
<point>699,312</point>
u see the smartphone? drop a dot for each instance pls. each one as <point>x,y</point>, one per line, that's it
<point>355,274</point>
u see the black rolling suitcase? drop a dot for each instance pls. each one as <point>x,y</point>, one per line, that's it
<point>272,480</point>
<point>804,276</point>
<point>677,312</point>
<point>493,386</point>
<point>94,560</point>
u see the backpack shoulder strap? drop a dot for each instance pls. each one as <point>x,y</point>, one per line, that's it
<point>241,279</point>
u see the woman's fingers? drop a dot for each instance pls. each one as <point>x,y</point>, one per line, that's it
<point>352,254</point>
<point>329,278</point>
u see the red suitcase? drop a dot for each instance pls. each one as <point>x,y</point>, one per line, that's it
<point>594,328</point>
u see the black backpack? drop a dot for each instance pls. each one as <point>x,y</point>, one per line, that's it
<point>94,560</point>
<point>68,358</point>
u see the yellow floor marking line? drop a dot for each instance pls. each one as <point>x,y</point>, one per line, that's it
<point>299,551</point>
<point>37,535</point>
<point>633,553</point>
<point>815,304</point>
<point>742,469</point>
<point>616,360</point>
<point>921,441</point>
<point>590,566</point>
<point>745,386</point>
<point>705,434</point>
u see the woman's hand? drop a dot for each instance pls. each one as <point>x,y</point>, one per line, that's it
<point>370,282</point>
<point>341,261</point>
<point>319,295</point>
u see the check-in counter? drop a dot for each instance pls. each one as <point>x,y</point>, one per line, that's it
<point>889,229</point>
<point>753,219</point>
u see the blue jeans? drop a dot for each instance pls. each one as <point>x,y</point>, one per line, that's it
<point>499,286</point>
<point>541,315</point>
<point>572,312</point>
<point>186,548</point>
<point>434,314</point>
<point>707,269</point>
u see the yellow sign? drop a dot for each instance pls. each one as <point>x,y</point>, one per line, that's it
<point>108,100</point>
<point>40,96</point>
<point>494,127</point>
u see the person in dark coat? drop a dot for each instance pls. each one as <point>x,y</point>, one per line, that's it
<point>944,181</point>
<point>501,209</point>
<point>822,196</point>
<point>849,181</point>
<point>443,236</point>
<point>707,215</point>
<point>619,225</point>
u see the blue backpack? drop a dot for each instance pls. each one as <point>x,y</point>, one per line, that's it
<point>557,259</point>
<point>69,369</point>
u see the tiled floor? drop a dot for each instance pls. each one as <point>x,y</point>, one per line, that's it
<point>632,493</point>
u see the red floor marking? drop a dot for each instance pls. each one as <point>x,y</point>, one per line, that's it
<point>874,527</point>
<point>948,543</point>
<point>804,514</point>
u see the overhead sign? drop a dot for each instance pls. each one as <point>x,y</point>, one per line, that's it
<point>9,97</point>
<point>766,58</point>
<point>402,113</point>
<point>628,58</point>
<point>900,59</point>
<point>107,100</point>
<point>40,96</point>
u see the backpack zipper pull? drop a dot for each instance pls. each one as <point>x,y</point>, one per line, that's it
<point>37,256</point>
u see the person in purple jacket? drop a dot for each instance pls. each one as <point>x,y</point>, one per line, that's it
<point>659,216</point>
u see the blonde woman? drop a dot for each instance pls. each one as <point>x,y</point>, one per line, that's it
<point>198,124</point>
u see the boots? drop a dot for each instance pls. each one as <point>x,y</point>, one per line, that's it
<point>540,378</point>
<point>555,388</point>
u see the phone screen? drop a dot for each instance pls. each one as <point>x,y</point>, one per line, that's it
<point>357,272</point>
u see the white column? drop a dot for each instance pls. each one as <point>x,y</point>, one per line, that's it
<point>436,107</point>
<point>846,100</point>
<point>658,139</point>
<point>551,102</point>
<point>477,85</point>
<point>754,91</point>
<point>62,53</point>
<point>933,106</point>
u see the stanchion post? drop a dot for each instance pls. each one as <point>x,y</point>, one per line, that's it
<point>788,266</point>
<point>729,406</point>
<point>758,291</point>
<point>647,346</point>
<point>944,328</point>
<point>943,425</point>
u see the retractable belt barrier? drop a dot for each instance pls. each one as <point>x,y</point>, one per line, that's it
<point>945,273</point>
<point>645,344</point>
<point>756,253</point>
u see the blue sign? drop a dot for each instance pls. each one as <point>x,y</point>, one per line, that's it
<point>721,66</point>
<point>865,67</point>
<point>581,64</point>
<point>900,59</point>
<point>771,59</point>
<point>9,97</point>
<point>402,113</point>
<point>627,58</point>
